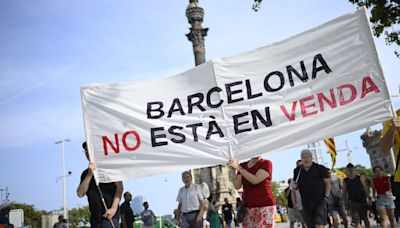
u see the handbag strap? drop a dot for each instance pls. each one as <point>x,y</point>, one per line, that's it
<point>298,174</point>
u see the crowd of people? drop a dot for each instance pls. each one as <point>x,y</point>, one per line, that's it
<point>315,197</point>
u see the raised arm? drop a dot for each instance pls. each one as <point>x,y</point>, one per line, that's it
<point>260,175</point>
<point>84,185</point>
<point>388,137</point>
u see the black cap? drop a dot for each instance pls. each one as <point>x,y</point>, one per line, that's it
<point>350,165</point>
<point>84,145</point>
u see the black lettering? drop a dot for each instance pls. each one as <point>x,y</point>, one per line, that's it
<point>172,131</point>
<point>191,104</point>
<point>303,77</point>
<point>249,94</point>
<point>194,130</point>
<point>159,110</point>
<point>179,108</point>
<point>255,115</point>
<point>324,66</point>
<point>236,123</point>
<point>267,87</point>
<point>213,124</point>
<point>209,104</point>
<point>230,93</point>
<point>153,137</point>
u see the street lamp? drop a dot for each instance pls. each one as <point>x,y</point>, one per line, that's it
<point>63,175</point>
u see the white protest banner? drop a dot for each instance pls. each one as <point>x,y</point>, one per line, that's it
<point>321,83</point>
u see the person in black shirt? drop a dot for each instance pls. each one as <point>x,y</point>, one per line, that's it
<point>127,216</point>
<point>356,192</point>
<point>227,211</point>
<point>314,185</point>
<point>112,192</point>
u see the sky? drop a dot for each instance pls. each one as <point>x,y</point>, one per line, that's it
<point>49,49</point>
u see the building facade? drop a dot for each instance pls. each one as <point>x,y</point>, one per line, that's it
<point>371,143</point>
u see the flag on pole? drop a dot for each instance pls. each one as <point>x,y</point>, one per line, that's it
<point>330,145</point>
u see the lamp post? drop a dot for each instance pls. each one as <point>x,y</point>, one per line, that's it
<point>63,176</point>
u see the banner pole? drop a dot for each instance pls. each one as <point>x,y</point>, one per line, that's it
<point>98,185</point>
<point>103,201</point>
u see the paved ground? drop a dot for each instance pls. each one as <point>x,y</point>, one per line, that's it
<point>286,225</point>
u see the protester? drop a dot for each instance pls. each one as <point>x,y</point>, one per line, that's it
<point>127,216</point>
<point>212,214</point>
<point>238,205</point>
<point>62,223</point>
<point>4,213</point>
<point>390,138</point>
<point>384,197</point>
<point>255,178</point>
<point>294,212</point>
<point>314,186</point>
<point>191,203</point>
<point>227,212</point>
<point>356,192</point>
<point>112,192</point>
<point>148,216</point>
<point>336,207</point>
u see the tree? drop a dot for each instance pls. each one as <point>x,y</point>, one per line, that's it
<point>78,216</point>
<point>385,18</point>
<point>32,216</point>
<point>368,173</point>
<point>279,195</point>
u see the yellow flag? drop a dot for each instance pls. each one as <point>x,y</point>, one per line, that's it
<point>330,145</point>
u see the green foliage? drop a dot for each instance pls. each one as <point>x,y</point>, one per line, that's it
<point>32,216</point>
<point>385,16</point>
<point>279,195</point>
<point>78,216</point>
<point>368,173</point>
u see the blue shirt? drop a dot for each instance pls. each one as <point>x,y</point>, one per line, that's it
<point>147,217</point>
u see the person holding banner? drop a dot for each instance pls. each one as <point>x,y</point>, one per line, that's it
<point>255,177</point>
<point>390,137</point>
<point>191,203</point>
<point>314,184</point>
<point>100,217</point>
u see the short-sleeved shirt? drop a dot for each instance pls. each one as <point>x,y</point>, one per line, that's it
<point>95,205</point>
<point>60,225</point>
<point>336,186</point>
<point>311,185</point>
<point>148,214</point>
<point>227,210</point>
<point>259,195</point>
<point>126,210</point>
<point>381,185</point>
<point>190,197</point>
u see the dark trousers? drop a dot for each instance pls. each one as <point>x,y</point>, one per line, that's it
<point>189,220</point>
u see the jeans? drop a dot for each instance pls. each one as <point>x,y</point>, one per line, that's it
<point>105,223</point>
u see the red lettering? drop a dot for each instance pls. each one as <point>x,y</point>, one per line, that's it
<point>353,94</point>
<point>137,137</point>
<point>106,140</point>
<point>371,88</point>
<point>321,97</point>
<point>304,107</point>
<point>292,116</point>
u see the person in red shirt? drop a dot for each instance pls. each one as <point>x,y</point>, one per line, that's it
<point>384,201</point>
<point>255,178</point>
